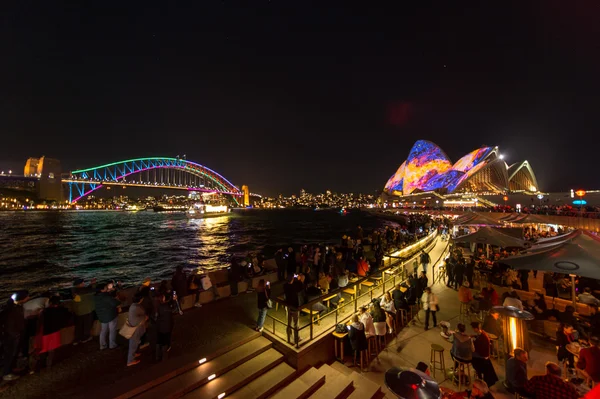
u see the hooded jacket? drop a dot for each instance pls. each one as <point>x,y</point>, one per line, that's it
<point>357,336</point>
<point>462,346</point>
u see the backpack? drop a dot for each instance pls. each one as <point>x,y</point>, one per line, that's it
<point>341,328</point>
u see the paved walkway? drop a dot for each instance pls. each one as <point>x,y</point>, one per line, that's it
<point>413,344</point>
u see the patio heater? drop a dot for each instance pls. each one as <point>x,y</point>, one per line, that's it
<point>514,328</point>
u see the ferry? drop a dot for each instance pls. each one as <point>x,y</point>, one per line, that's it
<point>199,210</point>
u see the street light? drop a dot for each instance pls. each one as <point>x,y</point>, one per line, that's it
<point>540,196</point>
<point>580,193</point>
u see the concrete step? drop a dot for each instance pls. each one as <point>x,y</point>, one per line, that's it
<point>238,377</point>
<point>266,384</point>
<point>337,385</point>
<point>303,386</point>
<point>341,368</point>
<point>192,379</point>
<point>363,387</point>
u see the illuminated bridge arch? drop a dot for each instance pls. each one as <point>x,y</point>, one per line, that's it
<point>185,175</point>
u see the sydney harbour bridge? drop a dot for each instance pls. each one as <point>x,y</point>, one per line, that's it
<point>45,176</point>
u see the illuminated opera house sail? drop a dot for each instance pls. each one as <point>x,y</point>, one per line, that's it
<point>428,168</point>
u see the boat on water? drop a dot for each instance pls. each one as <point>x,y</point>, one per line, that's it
<point>200,210</point>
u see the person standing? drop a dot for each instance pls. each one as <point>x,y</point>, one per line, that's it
<point>459,273</point>
<point>52,320</point>
<point>164,326</point>
<point>136,318</point>
<point>83,307</point>
<point>12,326</point>
<point>481,357</point>
<point>263,293</point>
<point>107,311</point>
<point>292,291</point>
<point>291,262</point>
<point>179,284</point>
<point>281,264</point>
<point>425,260</point>
<point>430,304</point>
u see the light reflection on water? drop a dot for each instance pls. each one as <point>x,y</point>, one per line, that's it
<point>43,250</point>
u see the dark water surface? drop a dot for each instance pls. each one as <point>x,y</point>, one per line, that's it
<point>43,250</point>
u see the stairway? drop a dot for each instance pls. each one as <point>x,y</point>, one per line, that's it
<point>255,370</point>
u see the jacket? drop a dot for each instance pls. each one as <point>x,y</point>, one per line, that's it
<point>462,346</point>
<point>516,373</point>
<point>429,301</point>
<point>83,300</point>
<point>136,314</point>
<point>164,318</point>
<point>357,336</point>
<point>367,320</point>
<point>482,345</point>
<point>106,307</point>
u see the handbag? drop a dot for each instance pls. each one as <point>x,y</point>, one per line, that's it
<point>127,330</point>
<point>341,328</point>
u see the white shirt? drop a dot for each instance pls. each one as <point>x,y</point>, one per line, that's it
<point>387,306</point>
<point>367,320</point>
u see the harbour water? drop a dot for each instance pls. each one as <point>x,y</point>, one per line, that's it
<point>46,250</point>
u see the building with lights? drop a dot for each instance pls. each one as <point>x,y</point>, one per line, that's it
<point>429,170</point>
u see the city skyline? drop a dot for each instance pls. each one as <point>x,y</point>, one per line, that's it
<point>299,96</point>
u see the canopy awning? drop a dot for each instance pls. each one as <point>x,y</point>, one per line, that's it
<point>578,255</point>
<point>491,236</point>
<point>476,219</point>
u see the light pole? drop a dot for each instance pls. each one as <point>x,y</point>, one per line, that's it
<point>580,193</point>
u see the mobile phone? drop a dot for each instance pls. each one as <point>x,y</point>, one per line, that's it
<point>268,283</point>
<point>151,288</point>
<point>295,276</point>
<point>174,292</point>
<point>348,327</point>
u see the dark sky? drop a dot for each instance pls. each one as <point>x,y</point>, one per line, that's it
<point>290,94</point>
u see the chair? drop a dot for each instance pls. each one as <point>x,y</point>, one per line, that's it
<point>366,357</point>
<point>414,312</point>
<point>401,316</point>
<point>460,372</point>
<point>380,331</point>
<point>437,350</point>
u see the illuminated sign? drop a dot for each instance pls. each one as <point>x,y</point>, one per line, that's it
<point>579,202</point>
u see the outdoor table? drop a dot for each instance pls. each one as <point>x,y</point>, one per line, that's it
<point>329,298</point>
<point>366,283</point>
<point>339,338</point>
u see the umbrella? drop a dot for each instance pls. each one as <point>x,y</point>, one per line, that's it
<point>411,383</point>
<point>579,255</point>
<point>473,218</point>
<point>529,218</point>
<point>491,236</point>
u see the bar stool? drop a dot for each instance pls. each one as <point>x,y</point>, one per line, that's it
<point>366,357</point>
<point>372,345</point>
<point>435,350</point>
<point>403,315</point>
<point>414,312</point>
<point>464,309</point>
<point>495,342</point>
<point>460,372</point>
<point>380,331</point>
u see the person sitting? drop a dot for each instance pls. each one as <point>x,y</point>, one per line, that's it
<point>568,317</point>
<point>324,280</point>
<point>538,306</point>
<point>488,297</point>
<point>564,287</point>
<point>588,298</point>
<point>550,385</point>
<point>564,336</point>
<point>357,336</point>
<point>313,293</point>
<point>377,313</point>
<point>366,318</point>
<point>462,346</point>
<point>423,367</point>
<point>513,300</point>
<point>387,304</point>
<point>481,357</point>
<point>362,268</point>
<point>589,361</point>
<point>516,372</point>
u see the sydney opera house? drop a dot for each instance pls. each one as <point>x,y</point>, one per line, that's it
<point>428,169</point>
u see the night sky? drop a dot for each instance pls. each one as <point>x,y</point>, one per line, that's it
<point>288,94</point>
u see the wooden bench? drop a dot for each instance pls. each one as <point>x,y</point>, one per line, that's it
<point>315,314</point>
<point>350,291</point>
<point>280,298</point>
<point>367,284</point>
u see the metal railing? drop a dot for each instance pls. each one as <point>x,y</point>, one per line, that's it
<point>393,272</point>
